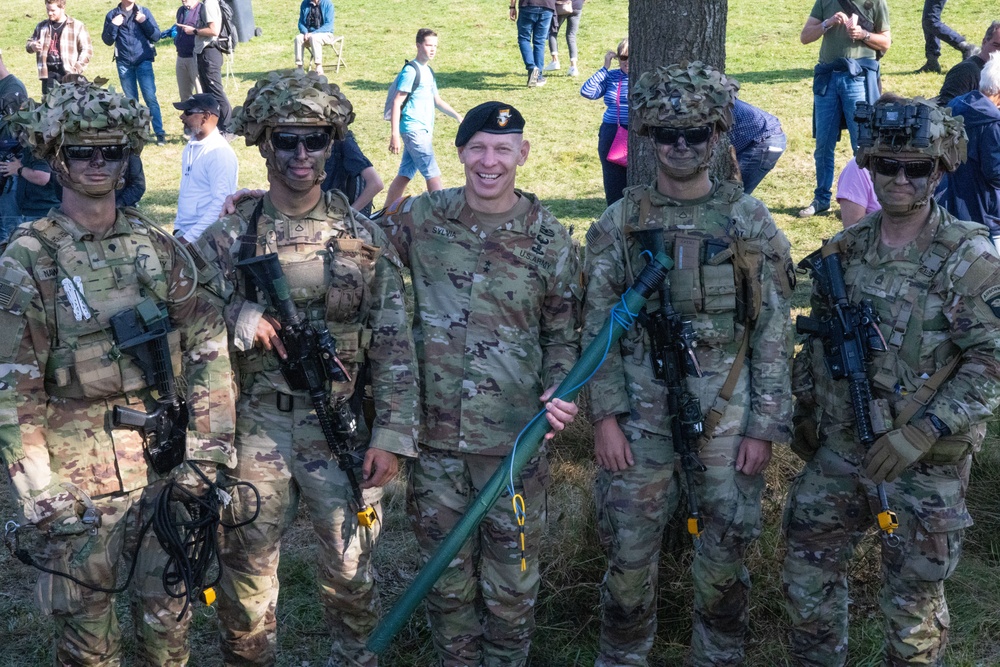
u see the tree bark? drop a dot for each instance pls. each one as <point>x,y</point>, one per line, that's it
<point>663,32</point>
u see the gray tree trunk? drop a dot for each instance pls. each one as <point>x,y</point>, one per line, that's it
<point>663,32</point>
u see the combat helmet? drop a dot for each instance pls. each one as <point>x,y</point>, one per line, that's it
<point>900,127</point>
<point>80,112</point>
<point>683,95</point>
<point>292,97</point>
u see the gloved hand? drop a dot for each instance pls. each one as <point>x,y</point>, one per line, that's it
<point>188,479</point>
<point>895,451</point>
<point>805,438</point>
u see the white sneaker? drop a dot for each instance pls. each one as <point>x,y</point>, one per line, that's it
<point>573,71</point>
<point>552,66</point>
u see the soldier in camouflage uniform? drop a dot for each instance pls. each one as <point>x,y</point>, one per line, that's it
<point>344,277</point>
<point>733,278</point>
<point>81,483</point>
<point>496,284</point>
<point>934,282</point>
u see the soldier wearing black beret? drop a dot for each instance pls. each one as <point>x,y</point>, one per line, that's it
<point>495,278</point>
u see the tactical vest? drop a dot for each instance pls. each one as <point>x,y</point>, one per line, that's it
<point>329,269</point>
<point>716,277</point>
<point>899,374</point>
<point>82,284</point>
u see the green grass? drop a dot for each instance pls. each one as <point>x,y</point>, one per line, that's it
<point>478,60</point>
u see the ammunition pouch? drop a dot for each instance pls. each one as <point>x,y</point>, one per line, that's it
<point>95,368</point>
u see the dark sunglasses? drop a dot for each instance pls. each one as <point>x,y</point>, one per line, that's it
<point>887,166</point>
<point>191,112</point>
<point>289,141</point>
<point>692,135</point>
<point>113,153</point>
<point>622,57</point>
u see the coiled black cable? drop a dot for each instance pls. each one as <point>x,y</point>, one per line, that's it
<point>188,537</point>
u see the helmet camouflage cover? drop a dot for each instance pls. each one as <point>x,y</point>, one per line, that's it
<point>82,113</point>
<point>292,97</point>
<point>946,134</point>
<point>683,95</point>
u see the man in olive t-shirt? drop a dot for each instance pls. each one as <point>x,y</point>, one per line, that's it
<point>847,73</point>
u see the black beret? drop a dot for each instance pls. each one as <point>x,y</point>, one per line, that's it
<point>492,118</point>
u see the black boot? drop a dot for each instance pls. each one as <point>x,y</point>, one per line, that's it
<point>932,65</point>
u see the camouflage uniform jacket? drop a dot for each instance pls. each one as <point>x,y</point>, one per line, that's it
<point>344,276</point>
<point>60,375</point>
<point>712,293</point>
<point>937,298</point>
<point>496,316</point>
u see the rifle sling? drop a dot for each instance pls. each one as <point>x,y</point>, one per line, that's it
<point>923,395</point>
<point>248,249</point>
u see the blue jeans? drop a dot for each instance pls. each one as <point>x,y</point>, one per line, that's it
<point>935,28</point>
<point>142,74</point>
<point>843,92</point>
<point>615,175</point>
<point>758,159</point>
<point>533,25</point>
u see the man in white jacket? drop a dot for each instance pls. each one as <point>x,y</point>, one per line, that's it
<point>209,168</point>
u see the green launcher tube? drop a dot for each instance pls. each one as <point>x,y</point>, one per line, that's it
<point>646,283</point>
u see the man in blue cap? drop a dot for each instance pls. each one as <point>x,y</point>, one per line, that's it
<point>496,287</point>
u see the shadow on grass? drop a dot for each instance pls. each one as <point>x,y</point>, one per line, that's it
<point>773,75</point>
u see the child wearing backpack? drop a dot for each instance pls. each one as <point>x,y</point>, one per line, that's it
<point>413,99</point>
<point>214,37</point>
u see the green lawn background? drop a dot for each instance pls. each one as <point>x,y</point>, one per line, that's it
<point>478,60</point>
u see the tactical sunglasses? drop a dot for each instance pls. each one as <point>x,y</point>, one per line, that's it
<point>692,135</point>
<point>887,166</point>
<point>191,112</point>
<point>289,141</point>
<point>112,153</point>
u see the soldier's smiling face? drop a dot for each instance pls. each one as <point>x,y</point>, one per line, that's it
<point>491,162</point>
<point>299,167</point>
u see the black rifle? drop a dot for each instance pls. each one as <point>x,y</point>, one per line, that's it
<point>672,341</point>
<point>142,332</point>
<point>850,334</point>
<point>8,152</point>
<point>310,366</point>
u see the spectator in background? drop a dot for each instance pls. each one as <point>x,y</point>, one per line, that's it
<point>35,190</point>
<point>412,119</point>
<point>61,45</point>
<point>209,57</point>
<point>758,140</point>
<point>964,77</point>
<point>133,32</point>
<point>209,169</point>
<point>135,184</point>
<point>572,22</point>
<point>855,194</point>
<point>533,27</point>
<point>612,85</point>
<point>972,192</point>
<point>847,73</point>
<point>315,31</point>
<point>188,14</point>
<point>348,170</point>
<point>936,30</point>
<point>12,95</point>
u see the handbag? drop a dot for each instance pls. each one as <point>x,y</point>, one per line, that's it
<point>564,7</point>
<point>618,153</point>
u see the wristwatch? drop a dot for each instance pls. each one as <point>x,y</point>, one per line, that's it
<point>939,426</point>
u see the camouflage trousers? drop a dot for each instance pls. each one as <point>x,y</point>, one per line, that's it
<point>86,625</point>
<point>286,457</point>
<point>830,506</point>
<point>633,507</point>
<point>482,609</point>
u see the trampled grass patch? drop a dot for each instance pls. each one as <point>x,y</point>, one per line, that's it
<point>478,60</point>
